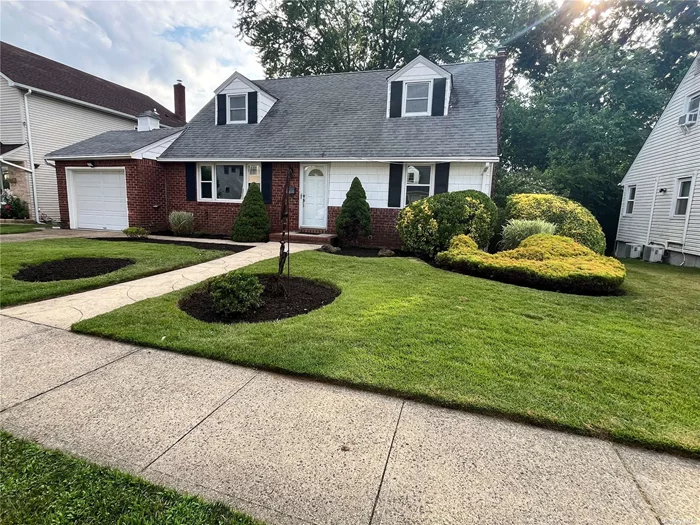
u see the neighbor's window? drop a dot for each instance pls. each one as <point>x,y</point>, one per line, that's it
<point>418,180</point>
<point>693,103</point>
<point>254,174</point>
<point>206,182</point>
<point>237,110</point>
<point>229,182</point>
<point>682,196</point>
<point>631,194</point>
<point>416,99</point>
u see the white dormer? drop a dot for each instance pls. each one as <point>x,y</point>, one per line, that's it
<point>420,88</point>
<point>240,101</point>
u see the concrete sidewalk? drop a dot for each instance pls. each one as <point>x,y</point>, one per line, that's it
<point>63,312</point>
<point>290,451</point>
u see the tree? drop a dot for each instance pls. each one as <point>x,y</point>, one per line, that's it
<point>252,223</point>
<point>354,220</point>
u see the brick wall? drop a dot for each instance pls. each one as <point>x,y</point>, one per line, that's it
<point>384,233</point>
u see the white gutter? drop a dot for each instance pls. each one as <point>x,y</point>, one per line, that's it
<point>119,156</point>
<point>14,165</point>
<point>35,196</point>
<point>335,159</point>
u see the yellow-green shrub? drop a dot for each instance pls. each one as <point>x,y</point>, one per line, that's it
<point>571,219</point>
<point>549,262</point>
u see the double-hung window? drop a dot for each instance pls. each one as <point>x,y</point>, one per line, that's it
<point>416,99</point>
<point>682,196</point>
<point>694,105</point>
<point>226,182</point>
<point>418,179</point>
<point>629,201</point>
<point>237,109</point>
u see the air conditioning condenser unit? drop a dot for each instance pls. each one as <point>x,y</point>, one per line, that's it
<point>633,251</point>
<point>653,253</point>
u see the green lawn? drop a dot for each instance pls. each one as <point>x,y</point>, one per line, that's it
<point>39,487</point>
<point>623,367</point>
<point>9,229</point>
<point>150,259</point>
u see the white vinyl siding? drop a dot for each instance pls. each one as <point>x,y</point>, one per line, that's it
<point>416,73</point>
<point>56,124</point>
<point>238,87</point>
<point>11,114</point>
<point>153,151</point>
<point>669,153</point>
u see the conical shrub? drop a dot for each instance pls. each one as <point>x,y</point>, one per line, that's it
<point>252,223</point>
<point>354,220</point>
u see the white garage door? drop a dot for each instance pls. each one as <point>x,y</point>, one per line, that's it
<point>99,200</point>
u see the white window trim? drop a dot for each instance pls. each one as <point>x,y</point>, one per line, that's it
<point>676,196</point>
<point>228,108</point>
<point>213,180</point>
<point>628,190</point>
<point>404,180</point>
<point>688,100</point>
<point>427,113</point>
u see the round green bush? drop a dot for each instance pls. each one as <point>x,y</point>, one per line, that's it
<point>571,219</point>
<point>549,262</point>
<point>354,220</point>
<point>135,232</point>
<point>252,223</point>
<point>235,293</point>
<point>517,230</point>
<point>12,207</point>
<point>427,225</point>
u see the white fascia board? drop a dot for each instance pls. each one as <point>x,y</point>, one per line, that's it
<point>424,61</point>
<point>245,80</point>
<point>338,159</point>
<point>119,156</point>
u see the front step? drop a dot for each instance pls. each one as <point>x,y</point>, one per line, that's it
<point>306,238</point>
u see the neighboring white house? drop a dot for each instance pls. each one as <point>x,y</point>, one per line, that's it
<point>46,105</point>
<point>661,200</point>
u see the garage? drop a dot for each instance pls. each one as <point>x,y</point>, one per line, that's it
<point>97,199</point>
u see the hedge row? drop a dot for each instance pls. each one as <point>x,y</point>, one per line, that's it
<point>549,262</point>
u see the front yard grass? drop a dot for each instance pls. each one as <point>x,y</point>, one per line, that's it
<point>150,259</point>
<point>624,367</point>
<point>39,486</point>
<point>9,229</point>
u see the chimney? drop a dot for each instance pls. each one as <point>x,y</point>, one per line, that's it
<point>148,120</point>
<point>179,91</point>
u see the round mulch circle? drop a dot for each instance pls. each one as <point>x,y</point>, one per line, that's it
<point>304,295</point>
<point>71,268</point>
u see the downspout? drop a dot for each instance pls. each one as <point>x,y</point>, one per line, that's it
<point>687,216</point>
<point>653,207</point>
<point>35,196</point>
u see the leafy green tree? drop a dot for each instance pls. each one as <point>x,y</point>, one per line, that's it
<point>354,220</point>
<point>252,223</point>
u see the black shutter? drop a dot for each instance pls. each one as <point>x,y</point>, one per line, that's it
<point>220,110</point>
<point>252,107</point>
<point>442,177</point>
<point>266,182</point>
<point>395,180</point>
<point>396,99</point>
<point>439,85</point>
<point>191,181</point>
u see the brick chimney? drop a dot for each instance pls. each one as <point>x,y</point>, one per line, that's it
<point>179,91</point>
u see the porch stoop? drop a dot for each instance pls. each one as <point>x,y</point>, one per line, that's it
<point>307,238</point>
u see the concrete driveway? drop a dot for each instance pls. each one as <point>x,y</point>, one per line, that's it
<point>291,451</point>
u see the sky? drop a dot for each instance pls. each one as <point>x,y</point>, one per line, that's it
<point>144,45</point>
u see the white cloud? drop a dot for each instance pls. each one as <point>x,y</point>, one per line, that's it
<point>144,45</point>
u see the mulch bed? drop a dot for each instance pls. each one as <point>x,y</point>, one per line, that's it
<point>356,251</point>
<point>233,248</point>
<point>304,296</point>
<point>71,268</point>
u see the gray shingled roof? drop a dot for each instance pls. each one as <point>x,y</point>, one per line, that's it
<point>344,115</point>
<point>113,143</point>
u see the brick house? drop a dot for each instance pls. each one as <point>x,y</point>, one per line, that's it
<point>406,134</point>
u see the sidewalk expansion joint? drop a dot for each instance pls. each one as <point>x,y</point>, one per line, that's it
<point>638,486</point>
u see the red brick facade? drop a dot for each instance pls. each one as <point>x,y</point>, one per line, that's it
<point>154,189</point>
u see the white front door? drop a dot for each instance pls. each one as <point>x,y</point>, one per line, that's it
<point>98,200</point>
<point>313,198</point>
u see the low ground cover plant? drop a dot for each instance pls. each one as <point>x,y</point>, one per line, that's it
<point>517,230</point>
<point>571,219</point>
<point>181,222</point>
<point>549,262</point>
<point>354,220</point>
<point>235,293</point>
<point>252,223</point>
<point>426,226</point>
<point>135,232</point>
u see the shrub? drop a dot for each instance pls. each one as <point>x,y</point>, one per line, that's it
<point>571,219</point>
<point>252,223</point>
<point>181,222</point>
<point>427,225</point>
<point>135,232</point>
<point>354,220</point>
<point>235,293</point>
<point>12,207</point>
<point>549,262</point>
<point>517,230</point>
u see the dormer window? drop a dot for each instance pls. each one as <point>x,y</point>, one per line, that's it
<point>417,98</point>
<point>237,109</point>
